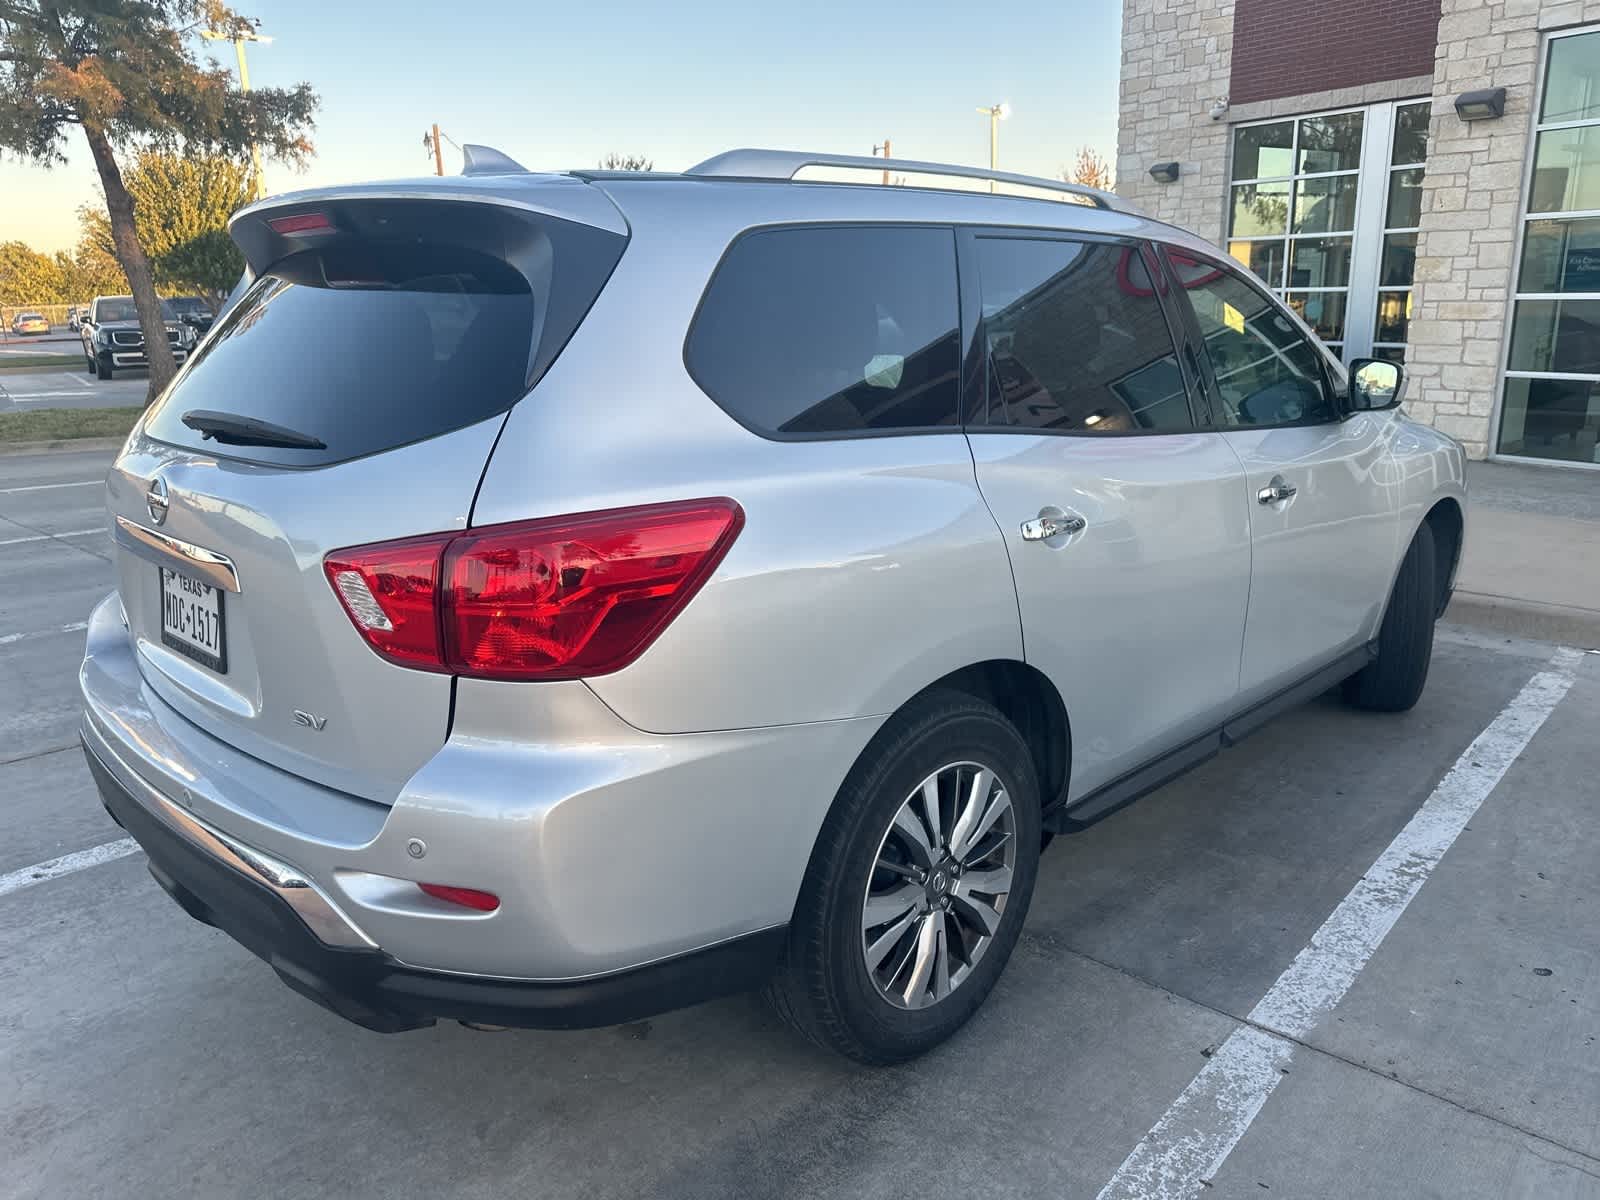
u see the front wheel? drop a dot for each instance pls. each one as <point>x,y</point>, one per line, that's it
<point>918,886</point>
<point>102,369</point>
<point>1393,681</point>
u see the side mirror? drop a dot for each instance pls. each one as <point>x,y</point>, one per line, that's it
<point>1375,384</point>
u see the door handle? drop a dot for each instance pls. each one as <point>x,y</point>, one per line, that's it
<point>1042,527</point>
<point>1276,491</point>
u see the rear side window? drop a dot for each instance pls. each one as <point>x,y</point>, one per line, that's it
<point>369,343</point>
<point>832,331</point>
<point>1078,342</point>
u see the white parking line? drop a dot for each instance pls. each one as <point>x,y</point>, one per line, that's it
<point>45,487</point>
<point>45,537</point>
<point>66,865</point>
<point>1187,1146</point>
<point>7,639</point>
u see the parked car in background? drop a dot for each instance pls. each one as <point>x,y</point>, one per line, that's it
<point>112,340</point>
<point>547,600</point>
<point>193,311</point>
<point>29,323</point>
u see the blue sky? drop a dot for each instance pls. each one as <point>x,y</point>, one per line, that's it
<point>560,85</point>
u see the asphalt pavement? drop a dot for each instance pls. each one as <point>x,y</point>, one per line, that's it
<point>1416,892</point>
<point>23,391</point>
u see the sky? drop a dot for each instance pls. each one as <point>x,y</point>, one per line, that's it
<point>559,86</point>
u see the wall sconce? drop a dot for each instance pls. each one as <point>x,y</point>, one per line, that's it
<point>1481,105</point>
<point>1166,172</point>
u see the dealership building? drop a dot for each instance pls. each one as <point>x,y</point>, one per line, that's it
<point>1421,181</point>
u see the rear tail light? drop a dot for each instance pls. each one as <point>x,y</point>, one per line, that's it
<point>552,599</point>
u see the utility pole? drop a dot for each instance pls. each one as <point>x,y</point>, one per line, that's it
<point>887,153</point>
<point>996,113</point>
<point>438,151</point>
<point>239,37</point>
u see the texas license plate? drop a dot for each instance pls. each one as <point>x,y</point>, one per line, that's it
<point>191,619</point>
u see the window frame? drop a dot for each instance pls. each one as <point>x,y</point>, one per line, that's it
<point>772,435</point>
<point>976,376</point>
<point>1330,376</point>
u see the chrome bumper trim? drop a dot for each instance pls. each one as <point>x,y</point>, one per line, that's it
<point>216,569</point>
<point>310,903</point>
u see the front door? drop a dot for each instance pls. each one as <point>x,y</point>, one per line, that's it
<point>1324,518</point>
<point>1126,524</point>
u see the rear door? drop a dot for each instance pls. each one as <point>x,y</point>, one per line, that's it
<point>376,353</point>
<point>1124,519</point>
<point>1321,496</point>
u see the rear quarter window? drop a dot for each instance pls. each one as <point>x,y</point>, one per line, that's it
<point>830,331</point>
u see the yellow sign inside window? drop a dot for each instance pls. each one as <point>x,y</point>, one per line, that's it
<point>1233,317</point>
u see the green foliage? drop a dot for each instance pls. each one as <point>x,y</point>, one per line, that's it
<point>60,424</point>
<point>28,277</point>
<point>626,162</point>
<point>181,207</point>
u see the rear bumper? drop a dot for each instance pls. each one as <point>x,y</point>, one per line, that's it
<point>366,986</point>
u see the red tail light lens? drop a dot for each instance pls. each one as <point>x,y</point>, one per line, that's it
<point>312,222</point>
<point>466,897</point>
<point>553,599</point>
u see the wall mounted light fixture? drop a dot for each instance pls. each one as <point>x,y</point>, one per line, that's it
<point>1481,105</point>
<point>1166,172</point>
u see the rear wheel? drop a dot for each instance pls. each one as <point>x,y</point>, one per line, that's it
<point>1393,681</point>
<point>89,362</point>
<point>918,886</point>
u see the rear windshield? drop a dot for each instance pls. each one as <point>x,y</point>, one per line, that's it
<point>367,346</point>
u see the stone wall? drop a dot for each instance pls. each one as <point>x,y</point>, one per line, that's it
<point>1176,59</point>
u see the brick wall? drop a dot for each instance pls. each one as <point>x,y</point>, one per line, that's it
<point>1175,62</point>
<point>1293,47</point>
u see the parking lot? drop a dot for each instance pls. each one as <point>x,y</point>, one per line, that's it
<point>1354,956</point>
<point>25,391</point>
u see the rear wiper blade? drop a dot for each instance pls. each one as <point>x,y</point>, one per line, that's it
<point>234,430</point>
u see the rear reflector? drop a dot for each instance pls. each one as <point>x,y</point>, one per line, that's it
<point>563,598</point>
<point>314,222</point>
<point>466,897</point>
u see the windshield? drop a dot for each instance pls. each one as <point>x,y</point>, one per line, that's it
<point>121,308</point>
<point>183,305</point>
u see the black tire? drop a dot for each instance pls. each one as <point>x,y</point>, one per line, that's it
<point>88,360</point>
<point>1393,681</point>
<point>823,987</point>
<point>102,369</point>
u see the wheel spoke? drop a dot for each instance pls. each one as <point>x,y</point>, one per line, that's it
<point>914,836</point>
<point>998,807</point>
<point>975,807</point>
<point>993,882</point>
<point>878,950</point>
<point>968,897</point>
<point>930,808</point>
<point>883,907</point>
<point>922,968</point>
<point>941,957</point>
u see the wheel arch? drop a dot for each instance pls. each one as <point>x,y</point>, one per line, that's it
<point>1448,525</point>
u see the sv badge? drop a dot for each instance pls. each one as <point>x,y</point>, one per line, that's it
<point>309,720</point>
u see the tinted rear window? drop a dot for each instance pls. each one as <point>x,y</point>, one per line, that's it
<point>369,345</point>
<point>831,330</point>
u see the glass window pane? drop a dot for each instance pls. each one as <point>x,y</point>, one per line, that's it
<point>1390,353</point>
<point>1320,262</point>
<point>1325,205</point>
<point>1263,151</point>
<point>1551,418</point>
<point>1267,372</point>
<point>1077,340</point>
<point>1566,170</point>
<point>1572,80</point>
<point>1556,335</point>
<point>1330,143</point>
<point>1405,199</point>
<point>1560,256</point>
<point>1399,260</point>
<point>1323,311</point>
<point>1264,258</point>
<point>1394,317</point>
<point>861,335</point>
<point>1411,133</point>
<point>1260,209</point>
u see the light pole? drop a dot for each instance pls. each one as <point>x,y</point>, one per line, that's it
<point>996,113</point>
<point>239,36</point>
<point>887,153</point>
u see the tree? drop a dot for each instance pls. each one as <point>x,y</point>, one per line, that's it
<point>1090,169</point>
<point>181,207</point>
<point>95,266</point>
<point>626,162</point>
<point>127,73</point>
<point>28,277</point>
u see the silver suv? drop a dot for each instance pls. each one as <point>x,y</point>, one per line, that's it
<point>550,599</point>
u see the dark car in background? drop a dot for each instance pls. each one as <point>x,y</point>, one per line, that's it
<point>113,341</point>
<point>193,311</point>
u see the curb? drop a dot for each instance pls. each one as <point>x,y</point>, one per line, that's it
<point>88,443</point>
<point>1562,623</point>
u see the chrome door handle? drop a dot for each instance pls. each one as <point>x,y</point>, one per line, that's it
<point>1275,492</point>
<point>1041,528</point>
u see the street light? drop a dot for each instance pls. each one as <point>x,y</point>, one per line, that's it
<point>239,36</point>
<point>996,113</point>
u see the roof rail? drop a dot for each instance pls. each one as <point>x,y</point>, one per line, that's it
<point>785,164</point>
<point>486,160</point>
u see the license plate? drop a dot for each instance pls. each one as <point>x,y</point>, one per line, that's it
<point>191,619</point>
